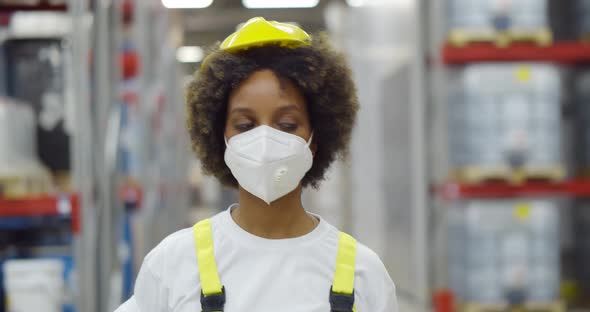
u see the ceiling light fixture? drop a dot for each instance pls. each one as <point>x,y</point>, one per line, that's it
<point>190,54</point>
<point>355,3</point>
<point>279,4</point>
<point>186,4</point>
<point>381,3</point>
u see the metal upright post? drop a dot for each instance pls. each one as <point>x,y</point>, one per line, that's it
<point>140,20</point>
<point>438,143</point>
<point>83,154</point>
<point>419,166</point>
<point>111,151</point>
<point>106,148</point>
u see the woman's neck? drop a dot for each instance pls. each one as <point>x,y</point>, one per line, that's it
<point>283,218</point>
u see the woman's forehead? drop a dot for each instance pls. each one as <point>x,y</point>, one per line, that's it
<point>265,90</point>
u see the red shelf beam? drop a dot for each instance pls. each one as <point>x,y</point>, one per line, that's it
<point>560,52</point>
<point>43,206</point>
<point>574,188</point>
<point>43,7</point>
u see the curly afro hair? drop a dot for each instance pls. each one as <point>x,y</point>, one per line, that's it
<point>320,73</point>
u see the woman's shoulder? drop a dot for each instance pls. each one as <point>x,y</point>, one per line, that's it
<point>373,281</point>
<point>171,247</point>
<point>181,241</point>
<point>175,241</point>
<point>366,258</point>
<point>366,254</point>
<point>178,245</point>
<point>368,261</point>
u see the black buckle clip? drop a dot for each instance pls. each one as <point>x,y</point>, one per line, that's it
<point>341,302</point>
<point>213,303</point>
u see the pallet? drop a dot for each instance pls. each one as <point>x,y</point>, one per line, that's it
<point>502,39</point>
<point>481,175</point>
<point>583,172</point>
<point>557,306</point>
<point>585,38</point>
<point>63,181</point>
<point>23,186</point>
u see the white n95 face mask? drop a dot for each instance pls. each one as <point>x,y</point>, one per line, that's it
<point>268,163</point>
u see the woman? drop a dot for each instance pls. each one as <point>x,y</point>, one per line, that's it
<point>269,111</point>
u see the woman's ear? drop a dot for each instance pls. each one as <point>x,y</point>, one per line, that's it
<point>313,146</point>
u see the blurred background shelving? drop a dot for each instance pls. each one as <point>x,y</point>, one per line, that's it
<point>568,53</point>
<point>73,76</point>
<point>579,188</point>
<point>510,199</point>
<point>468,167</point>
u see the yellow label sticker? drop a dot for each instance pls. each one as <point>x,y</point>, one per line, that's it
<point>569,290</point>
<point>522,211</point>
<point>523,73</point>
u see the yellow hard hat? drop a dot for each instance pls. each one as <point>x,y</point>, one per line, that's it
<point>258,32</point>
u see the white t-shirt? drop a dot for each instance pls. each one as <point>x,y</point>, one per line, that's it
<point>262,275</point>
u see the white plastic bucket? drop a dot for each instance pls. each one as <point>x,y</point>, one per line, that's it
<point>34,285</point>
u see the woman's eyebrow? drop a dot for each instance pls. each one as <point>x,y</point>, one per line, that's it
<point>243,110</point>
<point>289,107</point>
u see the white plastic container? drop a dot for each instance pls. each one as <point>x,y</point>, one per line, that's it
<point>499,247</point>
<point>17,131</point>
<point>21,172</point>
<point>582,9</point>
<point>506,115</point>
<point>582,243</point>
<point>582,100</point>
<point>34,285</point>
<point>490,15</point>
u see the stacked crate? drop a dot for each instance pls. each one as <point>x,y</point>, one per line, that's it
<point>582,254</point>
<point>581,226</point>
<point>505,126</point>
<point>505,251</point>
<point>582,101</point>
<point>505,123</point>
<point>499,21</point>
<point>582,9</point>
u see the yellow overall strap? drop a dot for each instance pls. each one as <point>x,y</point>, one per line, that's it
<point>343,283</point>
<point>211,289</point>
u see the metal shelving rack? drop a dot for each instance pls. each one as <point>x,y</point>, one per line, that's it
<point>156,190</point>
<point>385,43</point>
<point>102,195</point>
<point>443,55</point>
<point>166,156</point>
<point>65,206</point>
<point>574,188</point>
<point>83,155</point>
<point>34,212</point>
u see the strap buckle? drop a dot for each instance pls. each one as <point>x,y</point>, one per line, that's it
<point>213,303</point>
<point>341,302</point>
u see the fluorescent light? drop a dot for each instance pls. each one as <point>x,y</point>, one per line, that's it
<point>279,4</point>
<point>186,4</point>
<point>28,24</point>
<point>395,3</point>
<point>355,3</point>
<point>189,54</point>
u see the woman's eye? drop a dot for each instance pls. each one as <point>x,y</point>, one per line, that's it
<point>288,127</point>
<point>243,127</point>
